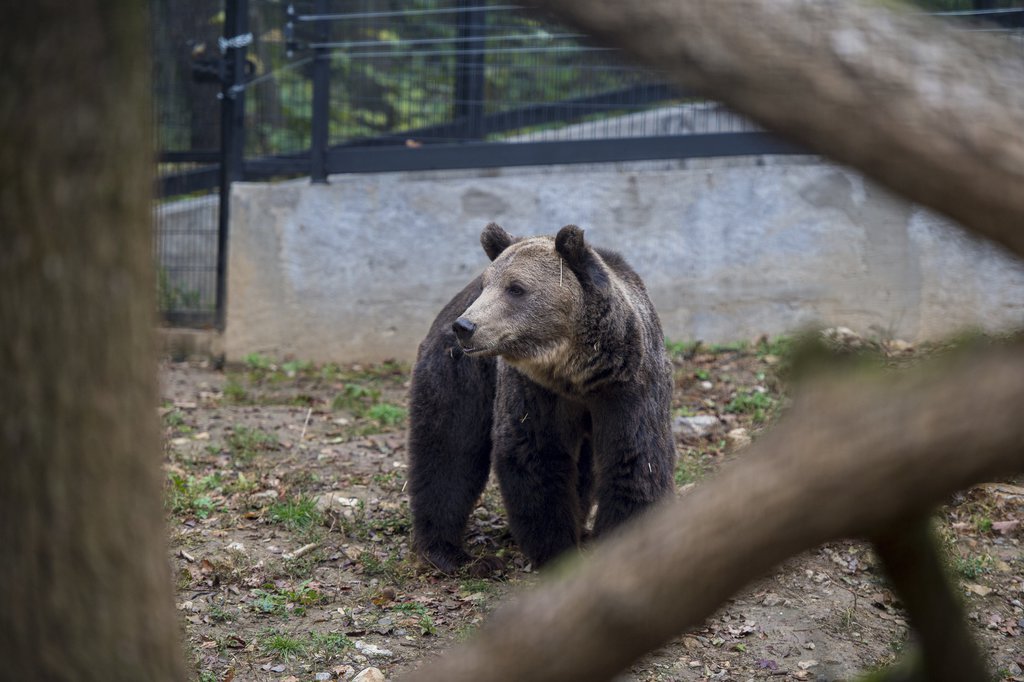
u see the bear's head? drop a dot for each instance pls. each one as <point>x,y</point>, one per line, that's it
<point>534,292</point>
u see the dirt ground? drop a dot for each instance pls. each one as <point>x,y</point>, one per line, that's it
<point>290,535</point>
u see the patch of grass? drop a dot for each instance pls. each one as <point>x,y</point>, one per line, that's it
<point>473,585</point>
<point>241,484</point>
<point>293,368</point>
<point>188,495</point>
<point>757,404</point>
<point>684,411</point>
<point>281,601</point>
<point>330,645</point>
<point>733,347</point>
<point>691,466</point>
<point>234,391</point>
<point>390,567</point>
<point>425,622</point>
<point>245,442</point>
<point>983,524</point>
<point>973,566</point>
<point>681,348</point>
<point>386,414</point>
<point>780,346</point>
<point>390,480</point>
<point>174,419</point>
<point>280,645</point>
<point>257,362</point>
<point>356,399</point>
<point>296,513</point>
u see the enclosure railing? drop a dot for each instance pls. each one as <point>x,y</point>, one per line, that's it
<point>256,89</point>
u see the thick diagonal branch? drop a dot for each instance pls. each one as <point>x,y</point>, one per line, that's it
<point>933,112</point>
<point>851,457</point>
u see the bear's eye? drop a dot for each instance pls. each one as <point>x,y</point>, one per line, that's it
<point>515,290</point>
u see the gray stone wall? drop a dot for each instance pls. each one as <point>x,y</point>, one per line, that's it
<point>730,249</point>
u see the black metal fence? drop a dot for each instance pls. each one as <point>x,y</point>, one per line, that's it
<point>255,89</point>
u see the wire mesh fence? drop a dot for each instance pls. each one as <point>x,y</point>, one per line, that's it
<point>334,86</point>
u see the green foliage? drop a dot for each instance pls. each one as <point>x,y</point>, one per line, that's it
<point>386,414</point>
<point>356,399</point>
<point>281,646</point>
<point>425,622</point>
<point>297,513</point>
<point>389,567</point>
<point>234,391</point>
<point>173,297</point>
<point>244,442</point>
<point>257,362</point>
<point>681,348</point>
<point>280,601</point>
<point>691,466</point>
<point>780,346</point>
<point>755,403</point>
<point>330,645</point>
<point>973,566</point>
<point>188,495</point>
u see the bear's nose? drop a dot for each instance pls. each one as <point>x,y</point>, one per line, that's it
<point>463,329</point>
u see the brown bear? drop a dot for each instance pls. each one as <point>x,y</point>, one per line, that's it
<point>552,363</point>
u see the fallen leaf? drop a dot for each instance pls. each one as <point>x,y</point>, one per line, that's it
<point>1005,526</point>
<point>979,590</point>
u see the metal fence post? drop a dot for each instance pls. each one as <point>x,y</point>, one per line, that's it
<point>321,100</point>
<point>232,133</point>
<point>469,69</point>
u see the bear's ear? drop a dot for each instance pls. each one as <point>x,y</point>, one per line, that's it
<point>569,244</point>
<point>495,240</point>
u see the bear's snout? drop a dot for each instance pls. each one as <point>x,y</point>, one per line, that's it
<point>463,329</point>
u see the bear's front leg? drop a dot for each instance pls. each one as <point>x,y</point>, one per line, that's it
<point>634,454</point>
<point>535,462</point>
<point>450,402</point>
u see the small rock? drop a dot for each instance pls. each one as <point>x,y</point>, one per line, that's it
<point>842,337</point>
<point>739,437</point>
<point>369,675</point>
<point>336,501</point>
<point>899,346</point>
<point>706,385</point>
<point>690,643</point>
<point>323,677</point>
<point>344,672</point>
<point>806,665</point>
<point>373,649</point>
<point>1014,669</point>
<point>696,426</point>
<point>236,547</point>
<point>263,498</point>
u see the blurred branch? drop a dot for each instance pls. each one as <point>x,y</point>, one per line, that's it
<point>926,108</point>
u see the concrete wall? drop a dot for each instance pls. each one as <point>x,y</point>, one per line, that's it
<point>357,269</point>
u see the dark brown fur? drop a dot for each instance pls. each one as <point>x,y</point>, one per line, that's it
<point>559,371</point>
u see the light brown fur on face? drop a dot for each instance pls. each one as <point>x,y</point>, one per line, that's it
<point>534,329</point>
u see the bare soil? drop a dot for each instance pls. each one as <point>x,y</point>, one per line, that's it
<point>289,533</point>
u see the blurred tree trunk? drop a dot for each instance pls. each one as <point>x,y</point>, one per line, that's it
<point>85,583</point>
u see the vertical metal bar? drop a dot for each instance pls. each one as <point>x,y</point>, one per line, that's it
<point>321,100</point>
<point>469,70</point>
<point>232,138</point>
